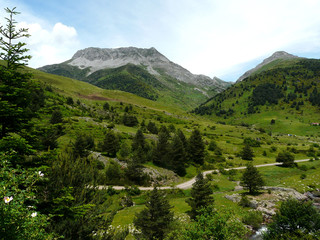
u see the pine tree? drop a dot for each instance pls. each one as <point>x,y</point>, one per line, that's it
<point>161,151</point>
<point>138,141</point>
<point>152,128</point>
<point>182,138</point>
<point>247,153</point>
<point>195,149</point>
<point>134,172</point>
<point>106,106</point>
<point>56,117</point>
<point>15,85</point>
<point>200,195</point>
<point>252,179</point>
<point>111,144</point>
<point>155,219</point>
<point>178,156</point>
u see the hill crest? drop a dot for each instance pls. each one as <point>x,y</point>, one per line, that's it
<point>275,56</point>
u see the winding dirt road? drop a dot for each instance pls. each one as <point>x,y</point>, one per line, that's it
<point>188,184</point>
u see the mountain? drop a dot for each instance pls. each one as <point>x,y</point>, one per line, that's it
<point>144,72</point>
<point>285,90</point>
<point>280,55</point>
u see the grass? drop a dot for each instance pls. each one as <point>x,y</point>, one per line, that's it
<point>228,137</point>
<point>290,177</point>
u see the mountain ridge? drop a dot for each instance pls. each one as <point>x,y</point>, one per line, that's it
<point>141,71</point>
<point>275,56</point>
<point>100,58</point>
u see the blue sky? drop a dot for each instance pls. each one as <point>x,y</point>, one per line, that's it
<point>211,37</point>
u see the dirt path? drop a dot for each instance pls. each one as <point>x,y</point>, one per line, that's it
<point>188,184</point>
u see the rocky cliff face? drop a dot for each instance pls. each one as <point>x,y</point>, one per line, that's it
<point>273,57</point>
<point>156,63</point>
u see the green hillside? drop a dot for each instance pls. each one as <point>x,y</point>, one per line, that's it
<point>283,91</point>
<point>91,118</point>
<point>137,80</point>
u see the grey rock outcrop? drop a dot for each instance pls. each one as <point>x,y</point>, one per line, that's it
<point>273,57</point>
<point>156,63</point>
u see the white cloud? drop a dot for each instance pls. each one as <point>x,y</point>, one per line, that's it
<point>50,45</point>
<point>223,34</point>
<point>209,37</point>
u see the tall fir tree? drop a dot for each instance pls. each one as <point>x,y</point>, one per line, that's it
<point>111,144</point>
<point>200,196</point>
<point>154,221</point>
<point>182,138</point>
<point>161,150</point>
<point>252,179</point>
<point>196,148</point>
<point>15,84</point>
<point>177,156</point>
<point>138,141</point>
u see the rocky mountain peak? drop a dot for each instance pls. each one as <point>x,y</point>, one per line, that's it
<point>275,56</point>
<point>156,63</point>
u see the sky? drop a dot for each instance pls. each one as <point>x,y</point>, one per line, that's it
<point>222,38</point>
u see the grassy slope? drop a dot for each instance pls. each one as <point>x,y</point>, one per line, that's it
<point>83,90</point>
<point>229,138</point>
<point>161,87</point>
<point>288,119</point>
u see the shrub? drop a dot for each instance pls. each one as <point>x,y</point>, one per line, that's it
<point>70,101</point>
<point>286,158</point>
<point>254,219</point>
<point>303,167</point>
<point>251,142</point>
<point>303,176</point>
<point>244,202</point>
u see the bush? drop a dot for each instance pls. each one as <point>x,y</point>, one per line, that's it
<point>286,158</point>
<point>303,168</point>
<point>303,176</point>
<point>299,219</point>
<point>244,202</point>
<point>254,219</point>
<point>251,142</point>
<point>70,101</point>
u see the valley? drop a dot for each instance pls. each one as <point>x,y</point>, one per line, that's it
<point>125,144</point>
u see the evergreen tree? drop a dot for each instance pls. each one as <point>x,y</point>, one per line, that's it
<point>152,128</point>
<point>154,221</point>
<point>182,138</point>
<point>178,156</point>
<point>110,144</point>
<point>252,179</point>
<point>15,86</point>
<point>247,153</point>
<point>56,117</point>
<point>129,120</point>
<point>82,144</point>
<point>138,141</point>
<point>165,131</point>
<point>200,195</point>
<point>134,172</point>
<point>106,106</point>
<point>195,149</point>
<point>161,151</point>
